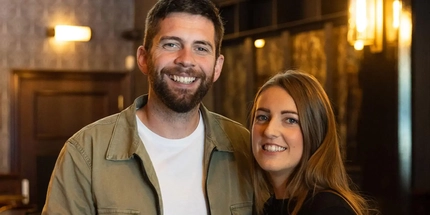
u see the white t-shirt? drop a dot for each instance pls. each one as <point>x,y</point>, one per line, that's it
<point>179,167</point>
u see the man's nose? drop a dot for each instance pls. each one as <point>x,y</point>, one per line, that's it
<point>185,57</point>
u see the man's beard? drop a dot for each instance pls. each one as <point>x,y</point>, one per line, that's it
<point>183,100</point>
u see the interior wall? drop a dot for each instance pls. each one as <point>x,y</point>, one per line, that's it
<point>421,100</point>
<point>142,7</point>
<point>24,44</point>
<point>421,107</point>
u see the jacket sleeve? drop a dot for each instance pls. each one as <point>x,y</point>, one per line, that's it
<point>69,189</point>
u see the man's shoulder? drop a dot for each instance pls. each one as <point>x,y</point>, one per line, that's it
<point>225,120</point>
<point>100,123</point>
<point>97,131</point>
<point>228,125</point>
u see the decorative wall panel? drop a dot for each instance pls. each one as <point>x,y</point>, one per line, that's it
<point>232,95</point>
<point>309,53</point>
<point>273,57</point>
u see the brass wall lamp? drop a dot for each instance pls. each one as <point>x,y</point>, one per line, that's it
<point>367,19</point>
<point>70,33</point>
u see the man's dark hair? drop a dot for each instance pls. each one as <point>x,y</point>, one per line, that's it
<point>163,8</point>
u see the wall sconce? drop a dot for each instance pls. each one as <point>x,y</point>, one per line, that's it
<point>397,10</point>
<point>393,22</point>
<point>70,33</point>
<point>366,24</point>
<point>259,43</point>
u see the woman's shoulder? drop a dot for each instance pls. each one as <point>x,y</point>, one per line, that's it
<point>326,202</point>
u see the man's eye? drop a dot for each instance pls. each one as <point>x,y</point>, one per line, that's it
<point>202,49</point>
<point>170,45</point>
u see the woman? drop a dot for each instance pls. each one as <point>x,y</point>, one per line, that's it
<point>298,164</point>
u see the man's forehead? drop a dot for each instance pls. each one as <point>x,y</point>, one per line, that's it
<point>187,27</point>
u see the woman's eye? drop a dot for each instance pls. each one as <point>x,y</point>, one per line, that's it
<point>292,121</point>
<point>261,118</point>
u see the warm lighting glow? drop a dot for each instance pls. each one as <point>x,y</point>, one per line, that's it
<point>361,19</point>
<point>365,24</point>
<point>405,36</point>
<point>259,43</point>
<point>130,62</point>
<point>72,33</point>
<point>392,23</point>
<point>25,189</point>
<point>397,9</point>
<point>358,45</point>
<point>379,26</point>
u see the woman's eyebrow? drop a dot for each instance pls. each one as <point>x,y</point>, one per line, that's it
<point>290,112</point>
<point>282,112</point>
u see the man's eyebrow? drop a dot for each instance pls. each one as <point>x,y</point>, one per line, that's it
<point>204,42</point>
<point>171,38</point>
<point>198,42</point>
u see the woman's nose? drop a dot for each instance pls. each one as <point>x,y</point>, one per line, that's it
<point>272,129</point>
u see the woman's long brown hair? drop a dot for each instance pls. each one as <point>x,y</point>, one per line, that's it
<point>321,166</point>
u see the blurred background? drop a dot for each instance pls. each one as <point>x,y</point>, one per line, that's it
<point>372,57</point>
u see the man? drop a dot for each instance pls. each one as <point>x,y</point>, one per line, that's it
<point>166,153</point>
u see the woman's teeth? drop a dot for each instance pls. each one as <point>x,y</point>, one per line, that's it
<point>274,148</point>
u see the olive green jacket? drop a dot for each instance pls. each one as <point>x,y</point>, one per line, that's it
<point>105,169</point>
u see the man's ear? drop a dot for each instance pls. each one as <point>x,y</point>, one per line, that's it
<point>218,66</point>
<point>142,59</point>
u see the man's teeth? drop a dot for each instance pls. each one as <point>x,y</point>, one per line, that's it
<point>181,79</point>
<point>273,148</point>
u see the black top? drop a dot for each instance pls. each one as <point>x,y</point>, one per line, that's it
<point>323,203</point>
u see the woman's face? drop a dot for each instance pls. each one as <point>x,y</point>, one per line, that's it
<point>277,141</point>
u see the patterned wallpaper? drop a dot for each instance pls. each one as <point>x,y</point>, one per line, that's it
<point>24,44</point>
<point>233,77</point>
<point>309,54</point>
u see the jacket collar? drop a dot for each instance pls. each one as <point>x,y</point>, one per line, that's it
<point>125,140</point>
